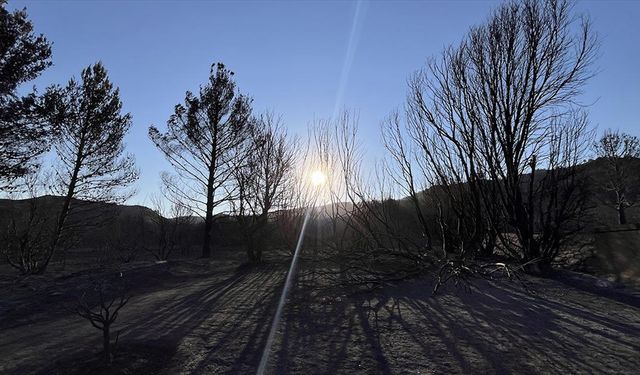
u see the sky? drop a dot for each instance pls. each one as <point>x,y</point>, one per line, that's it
<point>301,59</point>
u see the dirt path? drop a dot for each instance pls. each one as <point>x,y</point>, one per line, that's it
<point>218,323</point>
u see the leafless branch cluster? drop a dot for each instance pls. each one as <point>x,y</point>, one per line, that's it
<point>492,132</point>
<point>26,236</point>
<point>101,305</point>
<point>262,181</point>
<point>464,273</point>
<point>168,226</point>
<point>362,233</point>
<point>617,149</point>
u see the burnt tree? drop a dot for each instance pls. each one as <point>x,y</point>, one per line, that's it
<point>617,149</point>
<point>100,305</point>
<point>23,133</point>
<point>91,163</point>
<point>493,114</point>
<point>261,181</point>
<point>202,143</point>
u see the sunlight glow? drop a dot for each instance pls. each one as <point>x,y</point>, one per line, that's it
<point>318,178</point>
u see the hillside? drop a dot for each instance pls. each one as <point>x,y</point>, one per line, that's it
<point>102,218</point>
<point>600,202</point>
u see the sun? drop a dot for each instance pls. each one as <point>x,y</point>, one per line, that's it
<point>318,178</point>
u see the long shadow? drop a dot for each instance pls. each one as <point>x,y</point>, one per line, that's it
<point>176,318</point>
<point>326,333</point>
<point>584,283</point>
<point>504,331</point>
<point>364,310</point>
<point>242,334</point>
<point>312,325</point>
<point>589,311</point>
<point>498,328</point>
<point>217,328</point>
<point>221,326</point>
<point>153,319</point>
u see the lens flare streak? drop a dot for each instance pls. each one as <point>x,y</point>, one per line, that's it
<point>283,297</point>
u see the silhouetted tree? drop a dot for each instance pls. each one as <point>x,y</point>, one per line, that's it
<point>91,163</point>
<point>294,201</point>
<point>499,107</point>
<point>407,174</point>
<point>169,221</point>
<point>617,148</point>
<point>367,242</point>
<point>25,238</point>
<point>127,237</point>
<point>261,181</point>
<point>202,144</point>
<point>23,56</point>
<point>101,304</point>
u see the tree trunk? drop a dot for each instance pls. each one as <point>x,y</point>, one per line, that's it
<point>488,245</point>
<point>64,213</point>
<point>106,344</point>
<point>540,268</point>
<point>208,221</point>
<point>257,255</point>
<point>263,236</point>
<point>622,216</point>
<point>250,247</point>
<point>206,244</point>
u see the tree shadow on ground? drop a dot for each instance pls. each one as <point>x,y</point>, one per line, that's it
<point>199,324</point>
<point>218,323</point>
<point>589,284</point>
<point>498,328</point>
<point>222,325</point>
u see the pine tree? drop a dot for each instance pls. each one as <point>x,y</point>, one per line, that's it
<point>202,143</point>
<point>91,164</point>
<point>23,56</point>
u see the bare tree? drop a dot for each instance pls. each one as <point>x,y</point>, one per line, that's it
<point>330,195</point>
<point>368,243</point>
<point>127,238</point>
<point>617,149</point>
<point>25,238</point>
<point>406,173</point>
<point>169,219</point>
<point>101,305</point>
<point>262,180</point>
<point>295,200</point>
<point>202,144</point>
<point>495,112</point>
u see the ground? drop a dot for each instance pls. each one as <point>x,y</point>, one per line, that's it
<point>192,317</point>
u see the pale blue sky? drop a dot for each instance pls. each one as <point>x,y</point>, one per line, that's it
<point>290,56</point>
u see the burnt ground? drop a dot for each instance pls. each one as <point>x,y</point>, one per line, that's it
<point>213,318</point>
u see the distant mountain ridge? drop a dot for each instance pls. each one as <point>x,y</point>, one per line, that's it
<point>595,170</point>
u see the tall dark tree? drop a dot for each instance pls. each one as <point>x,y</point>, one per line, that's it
<point>202,143</point>
<point>23,56</point>
<point>92,164</point>
<point>617,149</point>
<point>499,108</point>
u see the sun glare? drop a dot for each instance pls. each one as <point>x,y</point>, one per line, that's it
<point>318,178</point>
